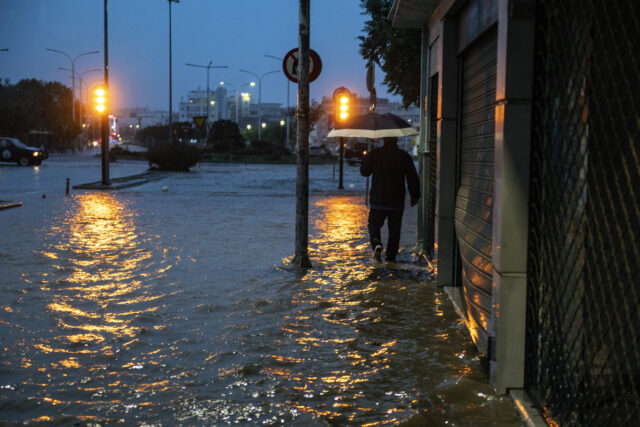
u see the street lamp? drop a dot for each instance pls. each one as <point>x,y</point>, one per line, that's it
<point>288,82</point>
<point>259,94</point>
<point>73,76</point>
<point>208,67</point>
<point>237,89</point>
<point>80,88</point>
<point>170,76</point>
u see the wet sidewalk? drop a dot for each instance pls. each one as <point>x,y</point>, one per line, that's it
<point>180,307</point>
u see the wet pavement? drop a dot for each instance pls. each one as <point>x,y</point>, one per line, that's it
<point>180,307</point>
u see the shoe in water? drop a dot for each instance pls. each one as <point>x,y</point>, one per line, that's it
<point>377,253</point>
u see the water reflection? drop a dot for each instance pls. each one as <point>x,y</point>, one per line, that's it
<point>345,351</point>
<point>97,299</point>
<point>98,292</point>
<point>146,312</point>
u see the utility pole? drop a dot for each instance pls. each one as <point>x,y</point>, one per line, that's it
<point>104,129</point>
<point>207,67</point>
<point>170,78</point>
<point>341,142</point>
<point>73,77</point>
<point>301,258</point>
<point>288,97</point>
<point>259,96</point>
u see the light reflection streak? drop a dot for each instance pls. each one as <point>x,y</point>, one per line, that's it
<point>338,293</point>
<point>101,288</point>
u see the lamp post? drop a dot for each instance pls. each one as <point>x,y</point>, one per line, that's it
<point>288,83</point>
<point>170,77</point>
<point>73,76</point>
<point>259,95</point>
<point>208,67</point>
<point>80,88</point>
<point>237,89</point>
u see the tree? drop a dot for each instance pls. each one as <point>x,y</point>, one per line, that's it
<point>36,105</point>
<point>395,50</point>
<point>225,137</point>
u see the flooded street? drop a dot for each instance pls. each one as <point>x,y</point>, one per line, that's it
<point>181,307</point>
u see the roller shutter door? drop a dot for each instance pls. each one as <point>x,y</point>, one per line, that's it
<point>474,198</point>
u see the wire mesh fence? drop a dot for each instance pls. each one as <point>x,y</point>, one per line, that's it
<point>583,314</point>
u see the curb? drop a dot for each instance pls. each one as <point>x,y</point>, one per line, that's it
<point>123,182</point>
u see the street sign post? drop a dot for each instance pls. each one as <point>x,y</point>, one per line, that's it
<point>290,65</point>
<point>200,121</point>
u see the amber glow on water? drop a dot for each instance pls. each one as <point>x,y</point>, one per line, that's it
<point>102,291</point>
<point>180,308</point>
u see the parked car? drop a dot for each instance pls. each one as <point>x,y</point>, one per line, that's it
<point>13,150</point>
<point>355,151</point>
<point>318,151</point>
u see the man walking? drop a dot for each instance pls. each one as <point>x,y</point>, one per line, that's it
<point>390,167</point>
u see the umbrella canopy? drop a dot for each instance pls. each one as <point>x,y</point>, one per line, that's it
<point>373,125</point>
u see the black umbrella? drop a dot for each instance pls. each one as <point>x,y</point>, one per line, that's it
<point>373,125</point>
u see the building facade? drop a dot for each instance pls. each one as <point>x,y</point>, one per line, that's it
<point>195,105</point>
<point>528,158</point>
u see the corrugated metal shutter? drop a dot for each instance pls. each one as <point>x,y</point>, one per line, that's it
<point>474,199</point>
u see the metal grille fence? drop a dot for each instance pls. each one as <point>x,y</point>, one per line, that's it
<point>583,313</point>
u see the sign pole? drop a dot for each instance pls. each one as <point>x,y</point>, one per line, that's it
<point>104,119</point>
<point>340,186</point>
<point>301,258</point>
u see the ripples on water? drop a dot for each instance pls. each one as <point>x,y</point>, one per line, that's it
<point>123,312</point>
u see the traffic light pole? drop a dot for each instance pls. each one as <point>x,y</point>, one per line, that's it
<point>301,257</point>
<point>341,140</point>
<point>104,129</point>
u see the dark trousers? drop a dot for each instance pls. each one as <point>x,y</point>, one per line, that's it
<point>394,224</point>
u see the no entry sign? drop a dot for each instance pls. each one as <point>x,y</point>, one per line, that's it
<point>290,65</point>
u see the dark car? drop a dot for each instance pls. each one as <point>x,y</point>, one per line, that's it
<point>13,150</point>
<point>355,151</point>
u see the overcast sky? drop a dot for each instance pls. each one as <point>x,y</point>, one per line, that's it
<point>236,33</point>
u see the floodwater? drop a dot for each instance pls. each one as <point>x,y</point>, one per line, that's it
<point>180,307</point>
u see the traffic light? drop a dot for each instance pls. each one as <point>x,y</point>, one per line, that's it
<point>342,99</point>
<point>100,99</point>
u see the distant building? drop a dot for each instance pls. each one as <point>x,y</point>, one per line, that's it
<point>142,117</point>
<point>237,107</point>
<point>195,105</point>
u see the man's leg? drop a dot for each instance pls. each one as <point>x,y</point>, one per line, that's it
<point>394,223</point>
<point>376,221</point>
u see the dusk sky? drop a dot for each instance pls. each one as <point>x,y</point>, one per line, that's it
<point>236,33</point>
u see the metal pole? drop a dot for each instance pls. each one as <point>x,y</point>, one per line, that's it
<point>301,257</point>
<point>80,97</point>
<point>170,80</point>
<point>104,129</point>
<point>366,192</point>
<point>237,100</point>
<point>288,115</point>
<point>288,97</point>
<point>340,186</point>
<point>259,107</point>
<point>73,90</point>
<point>206,122</point>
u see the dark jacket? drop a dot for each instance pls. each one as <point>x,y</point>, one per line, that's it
<point>390,166</point>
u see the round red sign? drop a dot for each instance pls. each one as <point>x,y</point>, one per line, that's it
<point>290,65</point>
